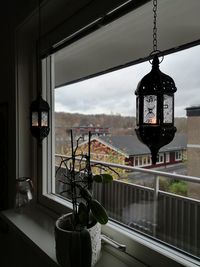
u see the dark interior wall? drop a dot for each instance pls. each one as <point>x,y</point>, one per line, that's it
<point>58,20</point>
<point>12,14</point>
<point>70,16</point>
<point>13,249</point>
<point>7,146</point>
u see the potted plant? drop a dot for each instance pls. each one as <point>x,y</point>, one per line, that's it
<point>77,234</point>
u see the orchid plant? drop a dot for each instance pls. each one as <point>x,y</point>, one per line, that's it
<point>78,179</point>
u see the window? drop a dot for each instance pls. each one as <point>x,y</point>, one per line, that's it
<point>167,157</point>
<point>100,102</point>
<point>160,158</point>
<point>136,161</point>
<point>77,62</point>
<point>149,160</point>
<point>105,101</point>
<point>178,155</point>
<point>140,161</point>
<point>91,103</point>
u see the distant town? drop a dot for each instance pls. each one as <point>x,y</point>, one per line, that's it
<point>114,135</point>
<point>114,140</point>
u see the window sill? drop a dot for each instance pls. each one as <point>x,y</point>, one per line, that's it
<point>36,228</point>
<point>154,251</point>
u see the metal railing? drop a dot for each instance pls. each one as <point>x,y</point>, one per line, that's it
<point>171,218</point>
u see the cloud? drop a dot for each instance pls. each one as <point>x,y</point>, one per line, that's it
<point>114,92</point>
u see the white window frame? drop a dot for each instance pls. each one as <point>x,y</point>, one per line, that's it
<point>167,157</point>
<point>47,186</point>
<point>144,160</point>
<point>178,155</point>
<point>159,161</point>
<point>136,159</point>
<point>119,233</point>
<point>155,251</point>
<point>149,161</point>
<point>140,160</point>
<point>137,244</point>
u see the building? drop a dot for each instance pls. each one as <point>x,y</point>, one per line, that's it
<point>193,142</point>
<point>97,131</point>
<point>193,147</point>
<point>130,151</point>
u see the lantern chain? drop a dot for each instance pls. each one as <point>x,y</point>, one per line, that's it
<point>154,25</point>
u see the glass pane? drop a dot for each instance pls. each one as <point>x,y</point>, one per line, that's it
<point>44,118</point>
<point>105,106</point>
<point>35,119</point>
<point>150,109</point>
<point>167,109</point>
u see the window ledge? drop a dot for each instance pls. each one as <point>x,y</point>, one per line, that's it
<point>37,227</point>
<point>154,251</point>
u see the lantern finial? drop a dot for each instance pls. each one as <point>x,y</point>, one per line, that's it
<point>155,63</point>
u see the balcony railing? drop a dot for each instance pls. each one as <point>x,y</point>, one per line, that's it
<point>170,218</point>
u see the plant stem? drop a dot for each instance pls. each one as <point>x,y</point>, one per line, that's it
<point>73,183</point>
<point>89,174</point>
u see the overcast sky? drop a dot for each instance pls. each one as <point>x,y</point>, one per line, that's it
<point>113,93</point>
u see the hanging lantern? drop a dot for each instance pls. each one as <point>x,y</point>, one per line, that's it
<point>155,109</point>
<point>39,109</point>
<point>39,119</point>
<point>155,104</point>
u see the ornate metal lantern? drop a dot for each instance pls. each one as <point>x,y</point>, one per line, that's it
<point>155,104</point>
<point>39,109</point>
<point>155,109</point>
<point>39,119</point>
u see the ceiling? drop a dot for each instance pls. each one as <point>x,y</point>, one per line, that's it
<point>128,39</point>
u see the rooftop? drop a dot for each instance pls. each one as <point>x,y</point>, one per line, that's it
<point>130,145</point>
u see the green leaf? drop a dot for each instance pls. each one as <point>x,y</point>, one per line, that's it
<point>99,212</point>
<point>107,178</point>
<point>103,178</point>
<point>98,178</point>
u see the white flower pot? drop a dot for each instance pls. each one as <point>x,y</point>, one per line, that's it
<point>77,248</point>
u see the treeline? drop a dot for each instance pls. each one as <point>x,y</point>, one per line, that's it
<point>119,125</point>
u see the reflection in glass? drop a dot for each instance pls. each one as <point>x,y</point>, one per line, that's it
<point>44,118</point>
<point>167,109</point>
<point>150,109</point>
<point>34,118</point>
<point>24,192</point>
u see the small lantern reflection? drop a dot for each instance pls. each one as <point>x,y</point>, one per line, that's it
<point>44,118</point>
<point>35,119</point>
<point>24,192</point>
<point>39,118</point>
